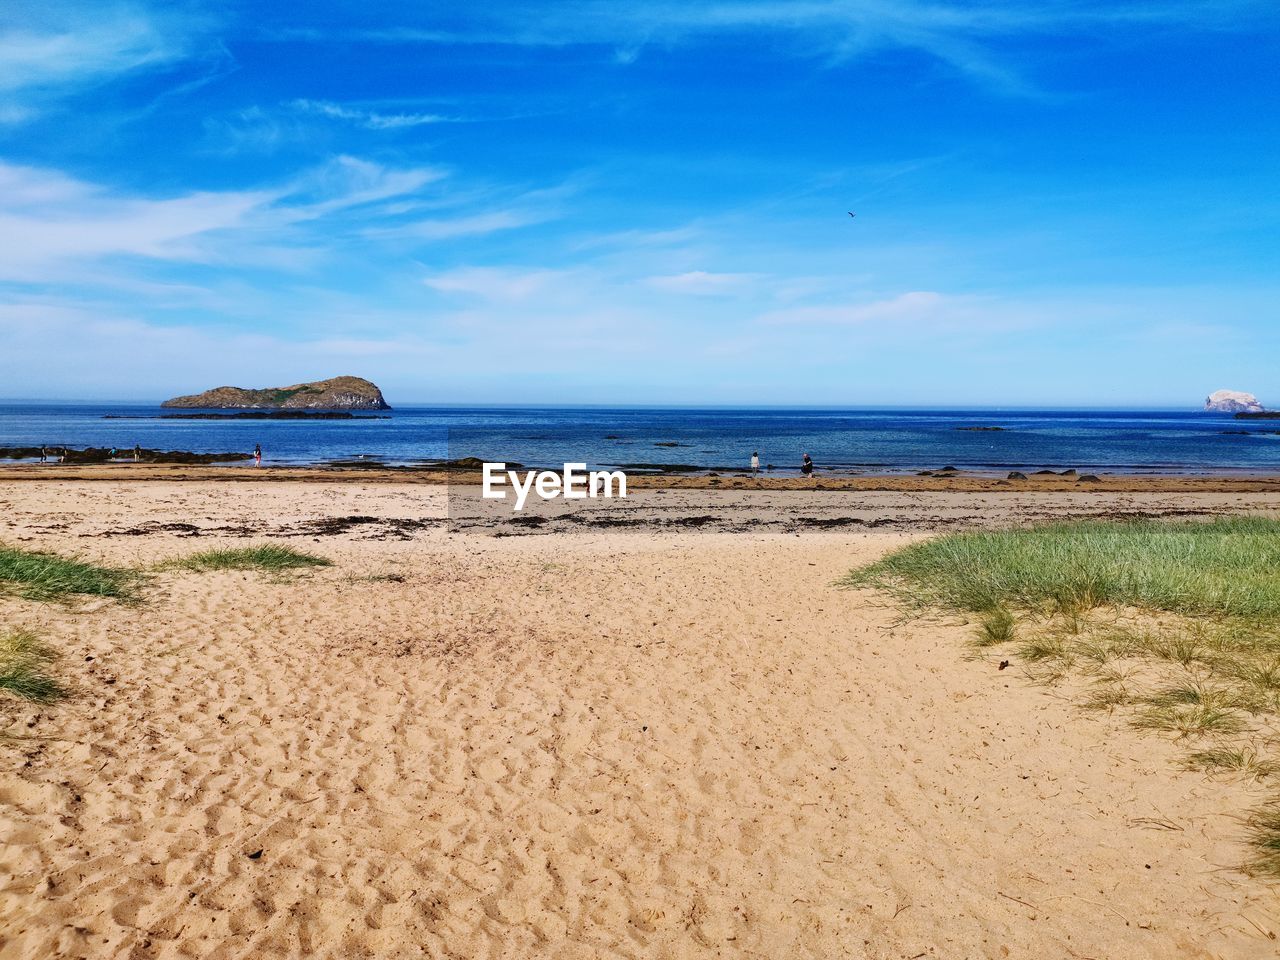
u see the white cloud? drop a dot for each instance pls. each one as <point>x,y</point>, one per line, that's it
<point>907,307</point>
<point>347,182</point>
<point>961,35</point>
<point>499,284</point>
<point>51,48</point>
<point>23,187</point>
<point>369,119</point>
<point>704,284</point>
<point>53,220</point>
<point>627,240</point>
<point>523,210</point>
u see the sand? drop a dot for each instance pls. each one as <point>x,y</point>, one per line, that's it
<point>650,741</point>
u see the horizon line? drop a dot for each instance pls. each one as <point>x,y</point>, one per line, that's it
<point>570,405</point>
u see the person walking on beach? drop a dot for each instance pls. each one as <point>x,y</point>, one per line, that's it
<point>257,454</point>
<point>755,462</point>
<point>44,454</point>
<point>806,466</point>
<point>137,453</point>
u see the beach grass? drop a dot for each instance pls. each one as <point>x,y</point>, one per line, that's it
<point>36,575</point>
<point>1244,761</point>
<point>268,558</point>
<point>998,626</point>
<point>1174,624</point>
<point>23,667</point>
<point>1265,835</point>
<point>1228,567</point>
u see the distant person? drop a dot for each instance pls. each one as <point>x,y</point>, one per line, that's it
<point>62,457</point>
<point>755,462</point>
<point>137,453</point>
<point>257,454</point>
<point>44,454</point>
<point>806,466</point>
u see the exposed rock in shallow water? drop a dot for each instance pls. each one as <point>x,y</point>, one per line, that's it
<point>104,455</point>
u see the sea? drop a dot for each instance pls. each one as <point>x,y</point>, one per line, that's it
<point>867,440</point>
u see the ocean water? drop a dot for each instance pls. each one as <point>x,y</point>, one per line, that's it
<point>870,440</point>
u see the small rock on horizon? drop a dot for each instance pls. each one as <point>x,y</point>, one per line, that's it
<point>1232,401</point>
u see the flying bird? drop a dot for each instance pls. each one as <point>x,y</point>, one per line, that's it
<point>852,214</point>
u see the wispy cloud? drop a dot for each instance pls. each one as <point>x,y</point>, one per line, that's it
<point>369,119</point>
<point>472,225</point>
<point>703,284</point>
<point>918,305</point>
<point>56,221</point>
<point>50,48</point>
<point>961,35</point>
<point>499,283</point>
<point>503,210</point>
<point>268,129</point>
<point>348,182</point>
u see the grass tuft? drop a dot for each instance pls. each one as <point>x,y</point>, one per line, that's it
<point>997,627</point>
<point>1245,761</point>
<point>23,660</point>
<point>1107,696</point>
<point>270,558</point>
<point>1047,649</point>
<point>1264,829</point>
<point>35,575</point>
<point>1184,649</point>
<point>1189,720</point>
<point>1263,677</point>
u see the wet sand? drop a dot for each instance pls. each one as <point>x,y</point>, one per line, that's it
<point>925,481</point>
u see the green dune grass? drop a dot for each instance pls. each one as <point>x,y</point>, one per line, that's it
<point>23,662</point>
<point>269,558</point>
<point>1228,567</point>
<point>46,576</point>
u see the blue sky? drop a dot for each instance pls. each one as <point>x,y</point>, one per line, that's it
<point>591,201</point>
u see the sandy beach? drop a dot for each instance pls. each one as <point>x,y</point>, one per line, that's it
<point>636,480</point>
<point>578,739</point>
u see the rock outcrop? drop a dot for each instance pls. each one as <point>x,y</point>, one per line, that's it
<point>339,393</point>
<point>1232,401</point>
<point>61,454</point>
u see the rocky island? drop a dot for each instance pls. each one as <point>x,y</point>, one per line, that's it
<point>1232,401</point>
<point>338,393</point>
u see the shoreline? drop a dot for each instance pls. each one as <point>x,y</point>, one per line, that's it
<point>418,512</point>
<point>958,482</point>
